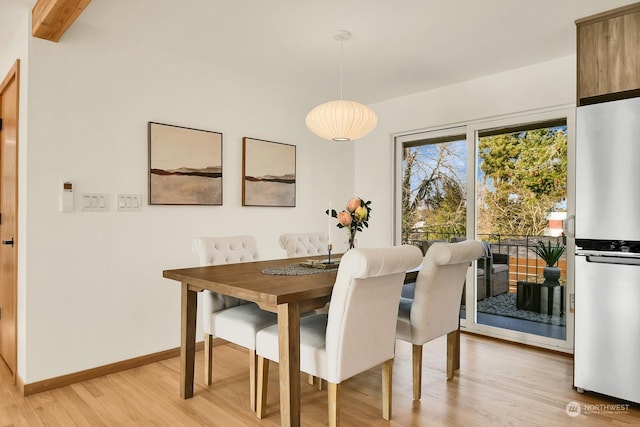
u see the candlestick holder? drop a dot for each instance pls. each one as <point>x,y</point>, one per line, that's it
<point>324,263</point>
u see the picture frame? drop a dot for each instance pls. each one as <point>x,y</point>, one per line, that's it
<point>185,165</point>
<point>268,173</point>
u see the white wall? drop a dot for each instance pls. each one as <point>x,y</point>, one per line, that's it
<point>539,86</point>
<point>92,283</point>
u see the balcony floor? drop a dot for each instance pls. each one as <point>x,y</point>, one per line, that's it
<point>521,325</point>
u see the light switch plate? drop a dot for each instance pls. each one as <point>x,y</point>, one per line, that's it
<point>94,202</point>
<point>129,202</point>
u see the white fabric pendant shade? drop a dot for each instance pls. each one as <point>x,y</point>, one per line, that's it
<point>341,120</point>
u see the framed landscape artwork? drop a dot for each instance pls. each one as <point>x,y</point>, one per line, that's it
<point>185,166</point>
<point>268,173</point>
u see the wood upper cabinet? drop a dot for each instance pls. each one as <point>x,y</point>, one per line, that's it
<point>609,55</point>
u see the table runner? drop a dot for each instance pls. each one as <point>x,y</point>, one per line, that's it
<point>296,270</point>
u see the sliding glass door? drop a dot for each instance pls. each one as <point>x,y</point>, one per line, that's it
<point>503,182</point>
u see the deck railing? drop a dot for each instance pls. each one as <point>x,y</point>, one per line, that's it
<point>524,264</point>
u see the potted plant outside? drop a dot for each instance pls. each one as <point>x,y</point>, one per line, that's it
<point>550,254</point>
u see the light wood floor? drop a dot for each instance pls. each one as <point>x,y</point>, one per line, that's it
<point>500,384</point>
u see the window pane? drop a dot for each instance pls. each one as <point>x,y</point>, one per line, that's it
<point>434,190</point>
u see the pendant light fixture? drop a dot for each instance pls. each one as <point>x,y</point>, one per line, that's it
<point>341,120</point>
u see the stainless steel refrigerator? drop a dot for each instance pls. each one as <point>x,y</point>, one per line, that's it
<point>607,263</point>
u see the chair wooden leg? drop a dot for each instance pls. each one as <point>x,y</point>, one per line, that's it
<point>387,392</point>
<point>263,381</point>
<point>417,371</point>
<point>208,359</point>
<point>333,395</point>
<point>315,380</point>
<point>252,379</point>
<point>453,352</point>
<point>457,356</point>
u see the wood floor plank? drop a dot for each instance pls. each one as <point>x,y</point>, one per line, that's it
<point>499,384</point>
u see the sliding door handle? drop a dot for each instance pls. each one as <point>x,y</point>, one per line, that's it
<point>569,226</point>
<point>8,242</point>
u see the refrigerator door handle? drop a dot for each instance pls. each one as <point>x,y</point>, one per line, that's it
<point>613,260</point>
<point>569,226</point>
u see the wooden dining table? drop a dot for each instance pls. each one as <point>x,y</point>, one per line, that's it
<point>286,295</point>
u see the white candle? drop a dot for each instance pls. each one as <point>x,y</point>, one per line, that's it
<point>329,225</point>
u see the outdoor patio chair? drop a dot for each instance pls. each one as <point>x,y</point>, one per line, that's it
<point>496,268</point>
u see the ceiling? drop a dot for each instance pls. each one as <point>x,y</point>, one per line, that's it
<point>398,47</point>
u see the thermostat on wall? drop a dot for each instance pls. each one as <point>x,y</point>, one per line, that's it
<point>66,197</point>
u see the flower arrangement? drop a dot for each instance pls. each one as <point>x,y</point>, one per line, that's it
<point>354,217</point>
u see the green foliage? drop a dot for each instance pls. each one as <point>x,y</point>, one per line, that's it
<point>524,180</point>
<point>549,254</point>
<point>409,211</point>
<point>433,188</point>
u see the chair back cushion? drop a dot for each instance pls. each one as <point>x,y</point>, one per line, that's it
<point>223,250</point>
<point>435,309</point>
<point>426,244</point>
<point>364,306</point>
<point>304,244</point>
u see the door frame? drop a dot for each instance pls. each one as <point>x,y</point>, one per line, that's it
<point>12,77</point>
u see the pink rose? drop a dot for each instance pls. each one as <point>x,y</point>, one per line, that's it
<point>354,204</point>
<point>344,218</point>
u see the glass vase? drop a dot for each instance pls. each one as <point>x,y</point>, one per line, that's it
<point>352,242</point>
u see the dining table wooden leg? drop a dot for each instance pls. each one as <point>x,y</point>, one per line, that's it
<point>289,365</point>
<point>189,305</point>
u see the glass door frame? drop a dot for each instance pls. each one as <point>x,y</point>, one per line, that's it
<point>472,130</point>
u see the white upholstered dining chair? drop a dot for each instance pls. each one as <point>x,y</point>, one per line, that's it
<point>357,334</point>
<point>225,317</point>
<point>304,244</point>
<point>435,308</point>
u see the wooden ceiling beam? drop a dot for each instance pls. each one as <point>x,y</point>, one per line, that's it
<point>51,18</point>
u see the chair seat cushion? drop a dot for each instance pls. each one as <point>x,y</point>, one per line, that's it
<point>313,355</point>
<point>497,268</point>
<point>240,324</point>
<point>403,326</point>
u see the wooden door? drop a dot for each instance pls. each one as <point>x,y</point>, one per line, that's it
<point>8,217</point>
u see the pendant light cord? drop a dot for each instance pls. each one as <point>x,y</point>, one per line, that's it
<point>341,36</point>
<point>341,60</point>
